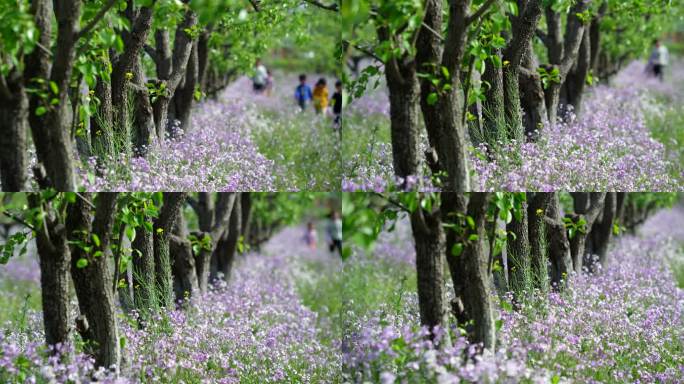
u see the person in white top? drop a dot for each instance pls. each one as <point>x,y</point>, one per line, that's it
<point>260,77</point>
<point>659,59</point>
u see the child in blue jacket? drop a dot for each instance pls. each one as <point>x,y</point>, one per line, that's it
<point>303,93</point>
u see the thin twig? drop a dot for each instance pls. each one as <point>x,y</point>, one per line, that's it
<point>96,19</point>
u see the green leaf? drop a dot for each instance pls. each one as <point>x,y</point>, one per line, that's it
<point>54,87</point>
<point>40,111</point>
<point>81,263</point>
<point>457,249</point>
<point>130,233</point>
<point>96,239</point>
<point>432,98</point>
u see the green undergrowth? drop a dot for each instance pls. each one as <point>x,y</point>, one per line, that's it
<point>304,146</point>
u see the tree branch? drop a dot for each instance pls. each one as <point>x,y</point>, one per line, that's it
<point>329,7</point>
<point>255,4</point>
<point>480,12</point>
<point>100,14</point>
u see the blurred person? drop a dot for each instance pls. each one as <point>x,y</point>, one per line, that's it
<point>269,82</point>
<point>334,231</point>
<point>336,103</point>
<point>310,236</point>
<point>659,60</point>
<point>303,93</point>
<point>320,96</point>
<point>260,77</point>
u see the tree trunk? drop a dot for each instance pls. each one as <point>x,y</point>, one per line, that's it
<point>50,131</point>
<point>429,243</point>
<point>54,258</point>
<point>518,252</point>
<point>577,78</point>
<point>227,247</point>
<point>246,209</point>
<point>602,230</point>
<point>559,246</point>
<point>471,269</point>
<point>224,208</point>
<point>403,90</point>
<point>537,209</point>
<point>102,124</point>
<point>13,135</point>
<point>185,95</point>
<point>494,119</point>
<point>163,225</point>
<point>93,283</point>
<point>185,275</point>
<point>590,214</point>
<point>144,286</point>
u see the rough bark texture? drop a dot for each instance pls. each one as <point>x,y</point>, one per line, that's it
<point>524,27</point>
<point>403,95</point>
<point>574,85</point>
<point>590,213</point>
<point>602,230</point>
<point>128,61</point>
<point>471,270</point>
<point>185,94</point>
<point>563,54</point>
<point>227,247</point>
<point>163,225</point>
<point>224,208</point>
<point>444,117</point>
<point>50,131</point>
<point>93,283</point>
<point>13,133</point>
<point>429,243</point>
<point>54,258</point>
<point>184,269</point>
<point>559,246</point>
<point>182,47</point>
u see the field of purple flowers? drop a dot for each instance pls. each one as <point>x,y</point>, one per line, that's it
<point>240,141</point>
<point>256,329</point>
<point>624,324</point>
<point>626,139</point>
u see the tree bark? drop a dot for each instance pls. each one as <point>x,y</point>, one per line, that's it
<point>559,245</point>
<point>227,246</point>
<point>184,269</point>
<point>144,280</point>
<point>444,116</point>
<point>182,48</point>
<point>590,213</point>
<point>429,244</point>
<point>471,270</point>
<point>403,96</point>
<point>93,283</point>
<point>537,209</point>
<point>224,208</point>
<point>602,230</point>
<point>13,133</point>
<point>50,131</point>
<point>163,226</point>
<point>54,258</point>
<point>494,118</point>
<point>518,253</point>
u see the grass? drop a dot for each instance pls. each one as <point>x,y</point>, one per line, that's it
<point>668,129</point>
<point>17,299</point>
<point>305,146</point>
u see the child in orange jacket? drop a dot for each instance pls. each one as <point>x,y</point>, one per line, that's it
<point>320,96</point>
